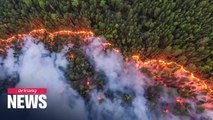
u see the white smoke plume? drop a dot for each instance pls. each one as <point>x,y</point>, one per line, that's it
<point>122,77</point>
<point>37,67</point>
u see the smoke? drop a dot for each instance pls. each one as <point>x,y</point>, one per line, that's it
<point>121,77</point>
<point>8,67</point>
<point>37,67</point>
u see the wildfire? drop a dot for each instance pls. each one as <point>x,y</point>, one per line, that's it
<point>67,32</point>
<point>195,86</point>
<point>183,70</point>
<point>51,35</point>
<point>139,63</point>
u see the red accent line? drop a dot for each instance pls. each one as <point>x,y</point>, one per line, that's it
<point>27,90</point>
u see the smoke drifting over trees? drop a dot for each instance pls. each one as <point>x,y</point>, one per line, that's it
<point>122,96</point>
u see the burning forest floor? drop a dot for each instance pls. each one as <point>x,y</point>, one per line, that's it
<point>98,70</point>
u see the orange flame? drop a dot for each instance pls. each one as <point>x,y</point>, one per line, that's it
<point>51,35</point>
<point>136,57</point>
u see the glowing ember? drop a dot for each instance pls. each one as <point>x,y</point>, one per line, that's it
<point>136,57</point>
<point>88,84</point>
<point>179,100</point>
<point>71,56</point>
<point>166,110</point>
<point>107,44</point>
<point>116,50</point>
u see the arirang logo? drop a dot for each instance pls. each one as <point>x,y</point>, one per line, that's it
<point>27,98</point>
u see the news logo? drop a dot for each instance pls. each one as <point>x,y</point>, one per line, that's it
<point>27,98</point>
